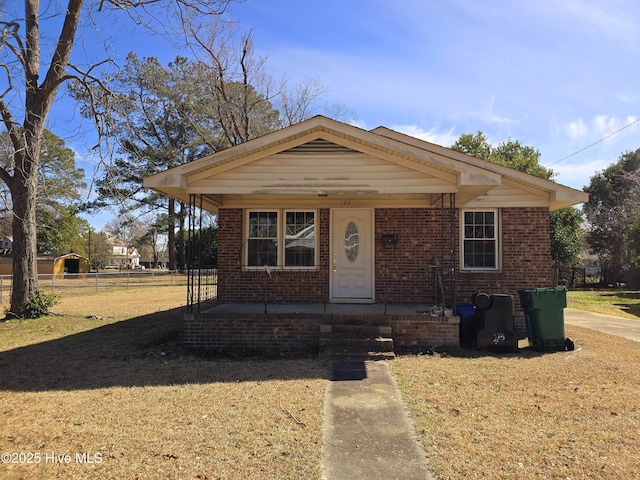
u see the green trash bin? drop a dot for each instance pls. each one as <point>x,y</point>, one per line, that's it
<point>544,315</point>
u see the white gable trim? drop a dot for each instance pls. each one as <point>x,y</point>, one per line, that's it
<point>436,170</point>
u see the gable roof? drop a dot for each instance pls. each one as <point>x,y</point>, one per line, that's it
<point>323,157</point>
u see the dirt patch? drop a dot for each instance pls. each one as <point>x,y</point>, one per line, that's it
<point>529,415</point>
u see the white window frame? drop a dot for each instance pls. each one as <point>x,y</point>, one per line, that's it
<point>497,238</point>
<point>281,215</point>
<point>246,238</point>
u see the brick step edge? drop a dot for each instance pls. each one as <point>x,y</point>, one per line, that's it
<point>376,343</point>
<point>342,329</point>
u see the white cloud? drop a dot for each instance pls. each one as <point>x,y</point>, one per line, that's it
<point>442,138</point>
<point>577,130</point>
<point>578,175</point>
<point>600,127</point>
<point>627,98</point>
<point>605,125</point>
<point>356,122</point>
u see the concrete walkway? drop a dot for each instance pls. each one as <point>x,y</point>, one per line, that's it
<point>623,327</point>
<point>367,430</point>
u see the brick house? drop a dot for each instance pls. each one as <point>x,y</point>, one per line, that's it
<point>327,218</point>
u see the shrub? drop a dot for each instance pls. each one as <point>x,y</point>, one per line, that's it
<point>39,303</point>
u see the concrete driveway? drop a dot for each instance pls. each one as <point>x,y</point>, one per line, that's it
<point>623,327</point>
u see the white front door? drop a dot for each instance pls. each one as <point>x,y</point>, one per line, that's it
<point>352,255</point>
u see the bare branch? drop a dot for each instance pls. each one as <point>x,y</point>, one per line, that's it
<point>60,59</point>
<point>10,32</point>
<point>296,105</point>
<point>9,80</point>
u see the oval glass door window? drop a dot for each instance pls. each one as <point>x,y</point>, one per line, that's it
<point>351,241</point>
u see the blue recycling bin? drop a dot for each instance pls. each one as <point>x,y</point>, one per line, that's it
<point>467,314</point>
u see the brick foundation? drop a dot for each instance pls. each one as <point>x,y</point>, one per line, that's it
<point>270,333</point>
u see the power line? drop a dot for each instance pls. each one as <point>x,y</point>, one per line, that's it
<point>595,143</point>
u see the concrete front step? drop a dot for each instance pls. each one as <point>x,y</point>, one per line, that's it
<point>381,344</point>
<point>346,341</point>
<point>359,330</point>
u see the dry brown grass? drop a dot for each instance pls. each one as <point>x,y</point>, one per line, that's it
<point>564,415</point>
<point>121,387</point>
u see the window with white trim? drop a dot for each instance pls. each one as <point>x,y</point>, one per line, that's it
<point>299,239</point>
<point>480,240</point>
<point>262,239</point>
<point>281,238</point>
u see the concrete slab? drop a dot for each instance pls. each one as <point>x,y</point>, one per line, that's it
<point>623,327</point>
<point>328,308</point>
<point>367,429</point>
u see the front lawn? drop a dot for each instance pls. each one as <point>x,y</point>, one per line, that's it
<point>620,303</point>
<point>106,385</point>
<point>104,390</point>
<point>529,415</point>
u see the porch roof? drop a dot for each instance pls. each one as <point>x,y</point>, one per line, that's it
<point>324,159</point>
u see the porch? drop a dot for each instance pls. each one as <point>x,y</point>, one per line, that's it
<point>331,309</point>
<point>333,329</point>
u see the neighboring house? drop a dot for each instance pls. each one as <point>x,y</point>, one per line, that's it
<point>122,256</point>
<point>151,259</point>
<point>326,213</point>
<point>591,263</point>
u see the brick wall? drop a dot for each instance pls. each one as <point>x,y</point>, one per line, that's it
<point>281,286</point>
<point>403,271</point>
<point>243,334</point>
<point>277,334</point>
<point>526,259</point>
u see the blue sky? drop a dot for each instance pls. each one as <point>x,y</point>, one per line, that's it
<point>556,75</point>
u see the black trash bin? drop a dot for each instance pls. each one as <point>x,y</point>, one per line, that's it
<point>495,321</point>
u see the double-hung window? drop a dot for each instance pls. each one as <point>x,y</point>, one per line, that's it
<point>281,238</point>
<point>262,241</point>
<point>299,239</point>
<point>480,240</point>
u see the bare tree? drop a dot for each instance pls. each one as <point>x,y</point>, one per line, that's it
<point>239,88</point>
<point>237,91</point>
<point>34,67</point>
<point>298,103</point>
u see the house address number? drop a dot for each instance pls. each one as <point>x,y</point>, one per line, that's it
<point>345,203</point>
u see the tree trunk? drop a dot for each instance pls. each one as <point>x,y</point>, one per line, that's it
<point>25,263</point>
<point>38,98</point>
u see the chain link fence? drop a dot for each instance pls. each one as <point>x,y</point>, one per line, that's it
<point>96,282</point>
